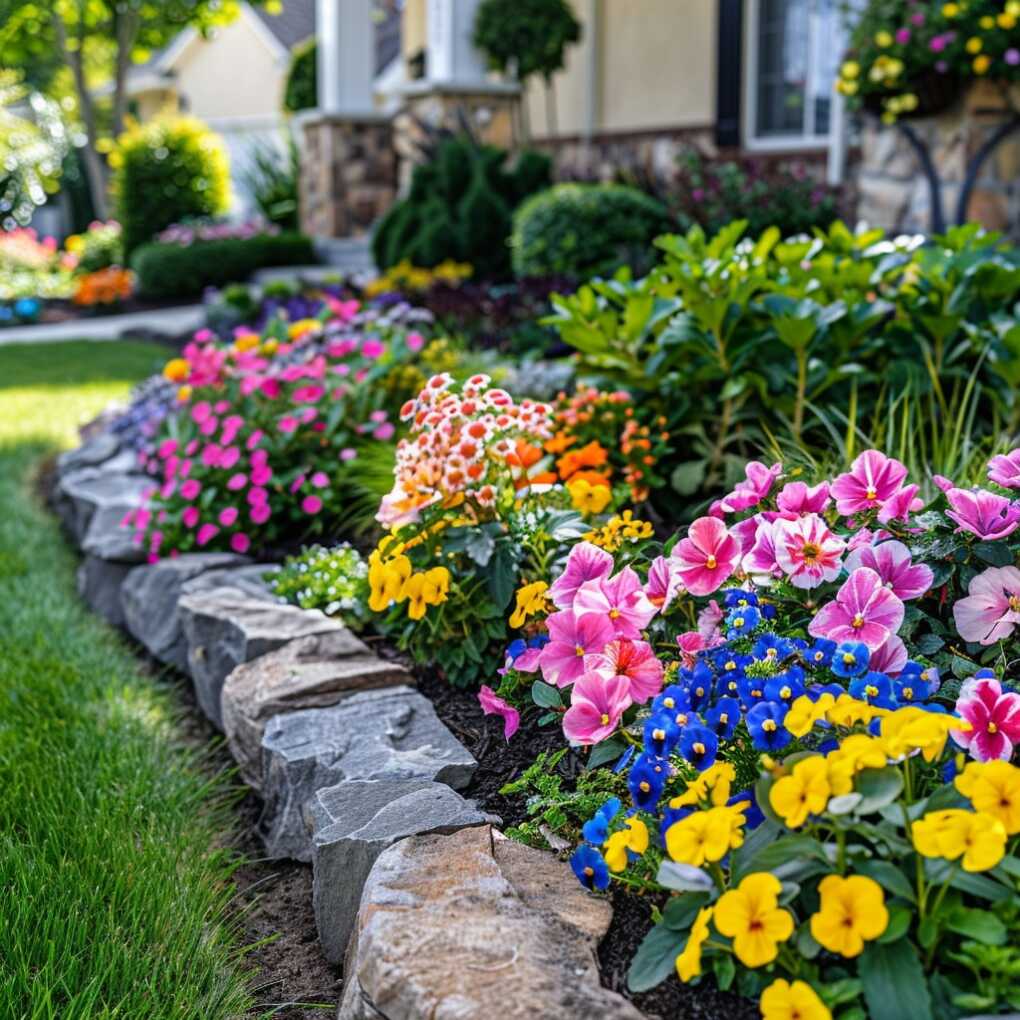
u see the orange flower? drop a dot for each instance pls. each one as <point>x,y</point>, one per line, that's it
<point>592,455</point>
<point>525,454</point>
<point>560,442</point>
<point>591,477</point>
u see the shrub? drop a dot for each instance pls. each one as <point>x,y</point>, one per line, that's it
<point>583,230</point>
<point>272,181</point>
<point>174,270</point>
<point>164,171</point>
<point>301,89</point>
<point>99,247</point>
<point>459,207</point>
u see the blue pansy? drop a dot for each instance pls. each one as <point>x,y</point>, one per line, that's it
<point>819,655</point>
<point>772,648</point>
<point>874,688</point>
<point>699,745</point>
<point>928,677</point>
<point>753,816</point>
<point>765,724</point>
<point>850,659</point>
<point>539,641</point>
<point>737,598</point>
<point>596,829</point>
<point>700,686</point>
<point>909,689</point>
<point>590,867</point>
<point>815,691</point>
<point>768,611</point>
<point>673,698</point>
<point>661,734</point>
<point>786,686</point>
<point>741,622</point>
<point>516,649</point>
<point>752,691</point>
<point>723,716</point>
<point>646,780</point>
<point>624,760</point>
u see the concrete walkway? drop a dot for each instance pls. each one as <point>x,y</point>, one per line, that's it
<point>171,321</point>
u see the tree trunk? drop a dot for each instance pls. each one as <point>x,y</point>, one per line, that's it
<point>550,107</point>
<point>125,24</point>
<point>94,166</point>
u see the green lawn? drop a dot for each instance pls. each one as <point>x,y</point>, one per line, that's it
<point>113,894</point>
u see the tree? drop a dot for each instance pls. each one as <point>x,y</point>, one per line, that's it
<point>527,37</point>
<point>99,40</point>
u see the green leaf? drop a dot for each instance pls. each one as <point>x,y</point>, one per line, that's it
<point>937,871</point>
<point>725,971</point>
<point>479,545</point>
<point>807,944</point>
<point>687,477</point>
<point>680,911</point>
<point>787,849</point>
<point>607,751</point>
<point>979,925</point>
<point>998,554</point>
<point>899,923</point>
<point>655,959</point>
<point>893,982</point>
<point>878,787</point>
<point>683,877</point>
<point>545,695</point>
<point>889,877</point>
<point>501,573</point>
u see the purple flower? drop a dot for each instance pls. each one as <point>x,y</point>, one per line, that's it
<point>891,561</point>
<point>903,36</point>
<point>1004,470</point>
<point>983,513</point>
<point>1012,56</point>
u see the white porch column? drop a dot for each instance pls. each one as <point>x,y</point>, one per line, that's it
<point>452,58</point>
<point>346,57</point>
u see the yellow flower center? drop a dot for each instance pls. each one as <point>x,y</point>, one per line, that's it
<point>810,552</point>
<point>579,649</point>
<point>871,690</point>
<point>724,718</point>
<point>699,747</point>
<point>858,622</point>
<point>604,719</point>
<point>659,734</point>
<point>871,494</point>
<point>785,693</point>
<point>908,694</point>
<point>738,621</point>
<point>992,728</point>
<point>644,786</point>
<point>700,691</point>
<point>769,726</point>
<point>755,694</point>
<point>711,563</point>
<point>731,665</point>
<point>589,871</point>
<point>772,653</point>
<point>614,614</point>
<point>1014,603</point>
<point>668,702</point>
<point>848,659</point>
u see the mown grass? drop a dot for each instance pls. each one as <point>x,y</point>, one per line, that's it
<point>113,889</point>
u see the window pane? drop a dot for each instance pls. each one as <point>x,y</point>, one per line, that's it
<point>827,47</point>
<point>783,40</point>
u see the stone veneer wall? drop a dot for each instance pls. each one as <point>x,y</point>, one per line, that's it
<point>348,175</point>
<point>894,191</point>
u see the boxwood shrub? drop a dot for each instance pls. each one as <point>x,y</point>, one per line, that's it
<point>174,270</point>
<point>583,230</point>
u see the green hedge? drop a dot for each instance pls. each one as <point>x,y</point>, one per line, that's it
<point>301,89</point>
<point>174,270</point>
<point>584,230</point>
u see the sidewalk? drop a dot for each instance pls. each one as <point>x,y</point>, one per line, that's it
<point>171,321</point>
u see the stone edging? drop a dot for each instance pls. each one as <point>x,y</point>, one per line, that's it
<point>357,775</point>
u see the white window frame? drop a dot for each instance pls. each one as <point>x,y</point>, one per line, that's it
<point>752,142</point>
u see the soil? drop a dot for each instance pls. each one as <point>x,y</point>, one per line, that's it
<point>60,310</point>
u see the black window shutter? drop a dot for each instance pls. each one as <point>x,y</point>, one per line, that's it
<point>728,73</point>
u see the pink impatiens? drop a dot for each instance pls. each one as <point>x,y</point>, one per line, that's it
<point>586,562</point>
<point>864,610</point>
<point>619,600</point>
<point>493,704</point>
<point>596,705</point>
<point>992,607</point>
<point>707,557</point>
<point>994,717</point>
<point>572,639</point>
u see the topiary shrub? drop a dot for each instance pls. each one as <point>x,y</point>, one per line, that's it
<point>301,90</point>
<point>164,171</point>
<point>582,230</point>
<point>179,271</point>
<point>459,207</point>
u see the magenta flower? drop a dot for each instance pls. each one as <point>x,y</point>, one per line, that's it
<point>807,551</point>
<point>864,610</point>
<point>891,561</point>
<point>227,516</point>
<point>710,623</point>
<point>663,584</point>
<point>190,516</point>
<point>493,704</point>
<point>635,661</point>
<point>586,562</point>
<point>983,513</point>
<point>873,479</point>
<point>992,607</point>
<point>798,498</point>
<point>259,514</point>
<point>238,481</point>
<point>890,658</point>
<point>311,504</point>
<point>755,487</point>
<point>994,717</point>
<point>240,542</point>
<point>707,556</point>
<point>1004,470</point>
<point>760,561</point>
<point>901,506</point>
<point>620,600</point>
<point>571,640</point>
<point>206,534</point>
<point>903,36</point>
<point>287,424</point>
<point>596,705</point>
<point>191,488</point>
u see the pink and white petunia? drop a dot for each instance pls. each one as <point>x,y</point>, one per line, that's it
<point>760,560</point>
<point>586,562</point>
<point>864,610</point>
<point>707,557</point>
<point>596,705</point>
<point>994,717</point>
<point>663,583</point>
<point>620,600</point>
<point>985,514</point>
<point>807,551</point>
<point>992,607</point>
<point>873,479</point>
<point>493,704</point>
<point>890,658</point>
<point>1004,470</point>
<point>891,561</point>
<point>572,640</point>
<point>635,661</point>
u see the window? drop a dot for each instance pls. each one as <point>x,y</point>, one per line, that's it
<point>793,52</point>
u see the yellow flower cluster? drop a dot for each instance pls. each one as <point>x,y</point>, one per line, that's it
<point>619,529</point>
<point>406,277</point>
<point>588,498</point>
<point>391,578</point>
<point>976,839</point>
<point>531,600</point>
<point>706,836</point>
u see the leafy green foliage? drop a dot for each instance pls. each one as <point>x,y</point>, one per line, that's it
<point>300,92</point>
<point>271,178</point>
<point>582,230</point>
<point>167,170</point>
<point>334,580</point>
<point>525,36</point>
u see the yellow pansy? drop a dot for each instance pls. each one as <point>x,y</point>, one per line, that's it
<point>804,713</point>
<point>883,39</point>
<point>950,10</point>
<point>303,328</point>
<point>805,791</point>
<point>987,22</point>
<point>979,839</point>
<point>183,394</point>
<point>688,963</point>
<point>783,1000</point>
<point>588,498</point>
<point>847,710</point>
<point>993,788</point>
<point>530,600</point>
<point>706,835</point>
<point>861,751</point>
<point>752,917</point>
<point>386,581</point>
<point>713,784</point>
<point>246,342</point>
<point>913,729</point>
<point>1007,20</point>
<point>270,347</point>
<point>974,44</point>
<point>852,911</point>
<point>982,63</point>
<point>176,370</point>
<point>850,69</point>
<point>633,838</point>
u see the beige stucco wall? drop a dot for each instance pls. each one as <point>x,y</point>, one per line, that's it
<point>154,102</point>
<point>656,62</point>
<point>237,55</point>
<point>412,27</point>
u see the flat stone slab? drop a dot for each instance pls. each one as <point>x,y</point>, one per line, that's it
<point>247,580</point>
<point>388,734</point>
<point>474,925</point>
<point>99,584</point>
<point>353,823</point>
<point>224,627</point>
<point>80,496</point>
<point>310,672</point>
<point>149,599</point>
<point>91,453</point>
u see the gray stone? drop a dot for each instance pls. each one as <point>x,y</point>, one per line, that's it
<point>392,733</point>
<point>81,495</point>
<point>107,538</point>
<point>250,581</point>
<point>149,599</point>
<point>92,452</point>
<point>311,672</point>
<point>474,925</point>
<point>99,584</point>
<point>224,627</point>
<point>353,823</point>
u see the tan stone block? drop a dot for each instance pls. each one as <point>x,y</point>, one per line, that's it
<point>989,208</point>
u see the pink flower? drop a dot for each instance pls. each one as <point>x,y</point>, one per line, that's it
<point>190,516</point>
<point>994,717</point>
<point>257,496</point>
<point>238,481</point>
<point>945,484</point>
<point>200,411</point>
<point>753,489</point>
<point>572,640</point>
<point>261,474</point>
<point>191,488</point>
<point>620,600</point>
<point>890,658</point>
<point>260,514</point>
<point>254,439</point>
<point>873,479</point>
<point>227,516</point>
<point>384,432</point>
<point>308,394</point>
<point>348,453</point>
<point>798,498</point>
<point>983,513</point>
<point>992,607</point>
<point>709,623</point>
<point>707,557</point>
<point>320,480</point>
<point>373,348</point>
<point>493,704</point>
<point>229,457</point>
<point>240,542</point>
<point>209,426</point>
<point>596,705</point>
<point>634,660</point>
<point>270,388</point>
<point>287,424</point>
<point>311,504</point>
<point>415,342</point>
<point>663,584</point>
<point>891,561</point>
<point>1004,470</point>
<point>903,36</point>
<point>296,484</point>
<point>864,610</point>
<point>586,562</point>
<point>206,534</point>
<point>166,448</point>
<point>760,560</point>
<point>211,455</point>
<point>901,506</point>
<point>806,551</point>
<point>690,643</point>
